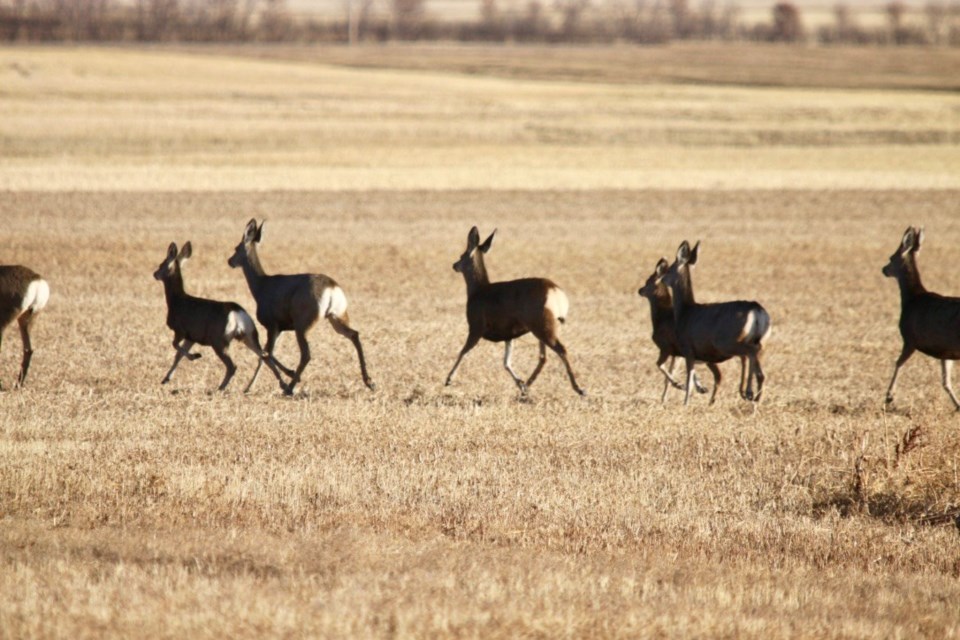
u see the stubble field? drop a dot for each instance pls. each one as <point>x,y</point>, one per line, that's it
<point>127,508</point>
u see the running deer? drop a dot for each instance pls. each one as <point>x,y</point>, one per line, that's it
<point>207,322</point>
<point>714,333</point>
<point>929,322</point>
<point>293,303</point>
<point>23,294</point>
<point>664,332</point>
<point>503,311</point>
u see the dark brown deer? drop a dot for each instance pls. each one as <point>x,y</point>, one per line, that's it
<point>714,333</point>
<point>664,331</point>
<point>503,311</point>
<point>206,322</point>
<point>929,322</point>
<point>23,294</point>
<point>294,303</point>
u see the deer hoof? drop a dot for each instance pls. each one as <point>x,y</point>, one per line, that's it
<point>889,399</point>
<point>193,356</point>
<point>582,392</point>
<point>748,396</point>
<point>700,388</point>
<point>370,385</point>
<point>165,381</point>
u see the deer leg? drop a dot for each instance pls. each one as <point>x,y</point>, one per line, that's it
<point>24,322</point>
<point>472,340</point>
<point>508,348</point>
<point>304,359</point>
<point>182,351</point>
<point>667,374</point>
<point>904,356</point>
<point>946,366</point>
<point>715,370</point>
<point>542,360</point>
<point>743,377</point>
<point>757,373</point>
<point>689,362</point>
<point>228,363</point>
<point>561,351</point>
<point>252,341</point>
<point>340,326</point>
<point>272,335</point>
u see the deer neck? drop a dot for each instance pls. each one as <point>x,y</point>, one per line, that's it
<point>909,280</point>
<point>253,270</point>
<point>173,286</point>
<point>682,294</point>
<point>476,276</point>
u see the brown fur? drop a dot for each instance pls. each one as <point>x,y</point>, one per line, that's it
<point>503,311</point>
<point>290,303</point>
<point>929,322</point>
<point>14,282</point>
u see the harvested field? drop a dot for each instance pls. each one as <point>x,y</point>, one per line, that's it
<point>128,508</point>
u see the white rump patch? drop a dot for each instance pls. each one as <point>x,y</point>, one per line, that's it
<point>557,303</point>
<point>38,293</point>
<point>332,302</point>
<point>747,326</point>
<point>239,324</point>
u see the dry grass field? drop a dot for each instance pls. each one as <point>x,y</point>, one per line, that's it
<point>131,509</point>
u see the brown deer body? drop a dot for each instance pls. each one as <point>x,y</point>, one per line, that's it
<point>929,322</point>
<point>294,303</point>
<point>664,328</point>
<point>23,294</point>
<point>206,322</point>
<point>714,333</point>
<point>503,311</point>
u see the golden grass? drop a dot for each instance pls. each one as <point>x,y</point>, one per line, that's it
<point>103,119</point>
<point>128,508</point>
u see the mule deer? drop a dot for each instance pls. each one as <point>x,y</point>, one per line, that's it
<point>293,303</point>
<point>23,294</point>
<point>664,328</point>
<point>206,322</point>
<point>929,322</point>
<point>714,333</point>
<point>503,311</point>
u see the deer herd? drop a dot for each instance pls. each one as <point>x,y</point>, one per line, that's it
<point>707,333</point>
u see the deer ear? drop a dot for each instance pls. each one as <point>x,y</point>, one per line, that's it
<point>251,231</point>
<point>473,238</point>
<point>185,253</point>
<point>918,239</point>
<point>683,252</point>
<point>488,242</point>
<point>694,254</point>
<point>257,238</point>
<point>172,251</point>
<point>661,267</point>
<point>909,236</point>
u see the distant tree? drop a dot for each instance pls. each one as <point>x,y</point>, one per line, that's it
<point>407,17</point>
<point>680,18</point>
<point>895,12</point>
<point>787,26</point>
<point>572,15</point>
<point>936,21</point>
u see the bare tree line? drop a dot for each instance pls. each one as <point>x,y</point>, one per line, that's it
<point>547,21</point>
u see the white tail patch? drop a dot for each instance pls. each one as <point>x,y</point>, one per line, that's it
<point>332,302</point>
<point>239,324</point>
<point>38,293</point>
<point>557,303</point>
